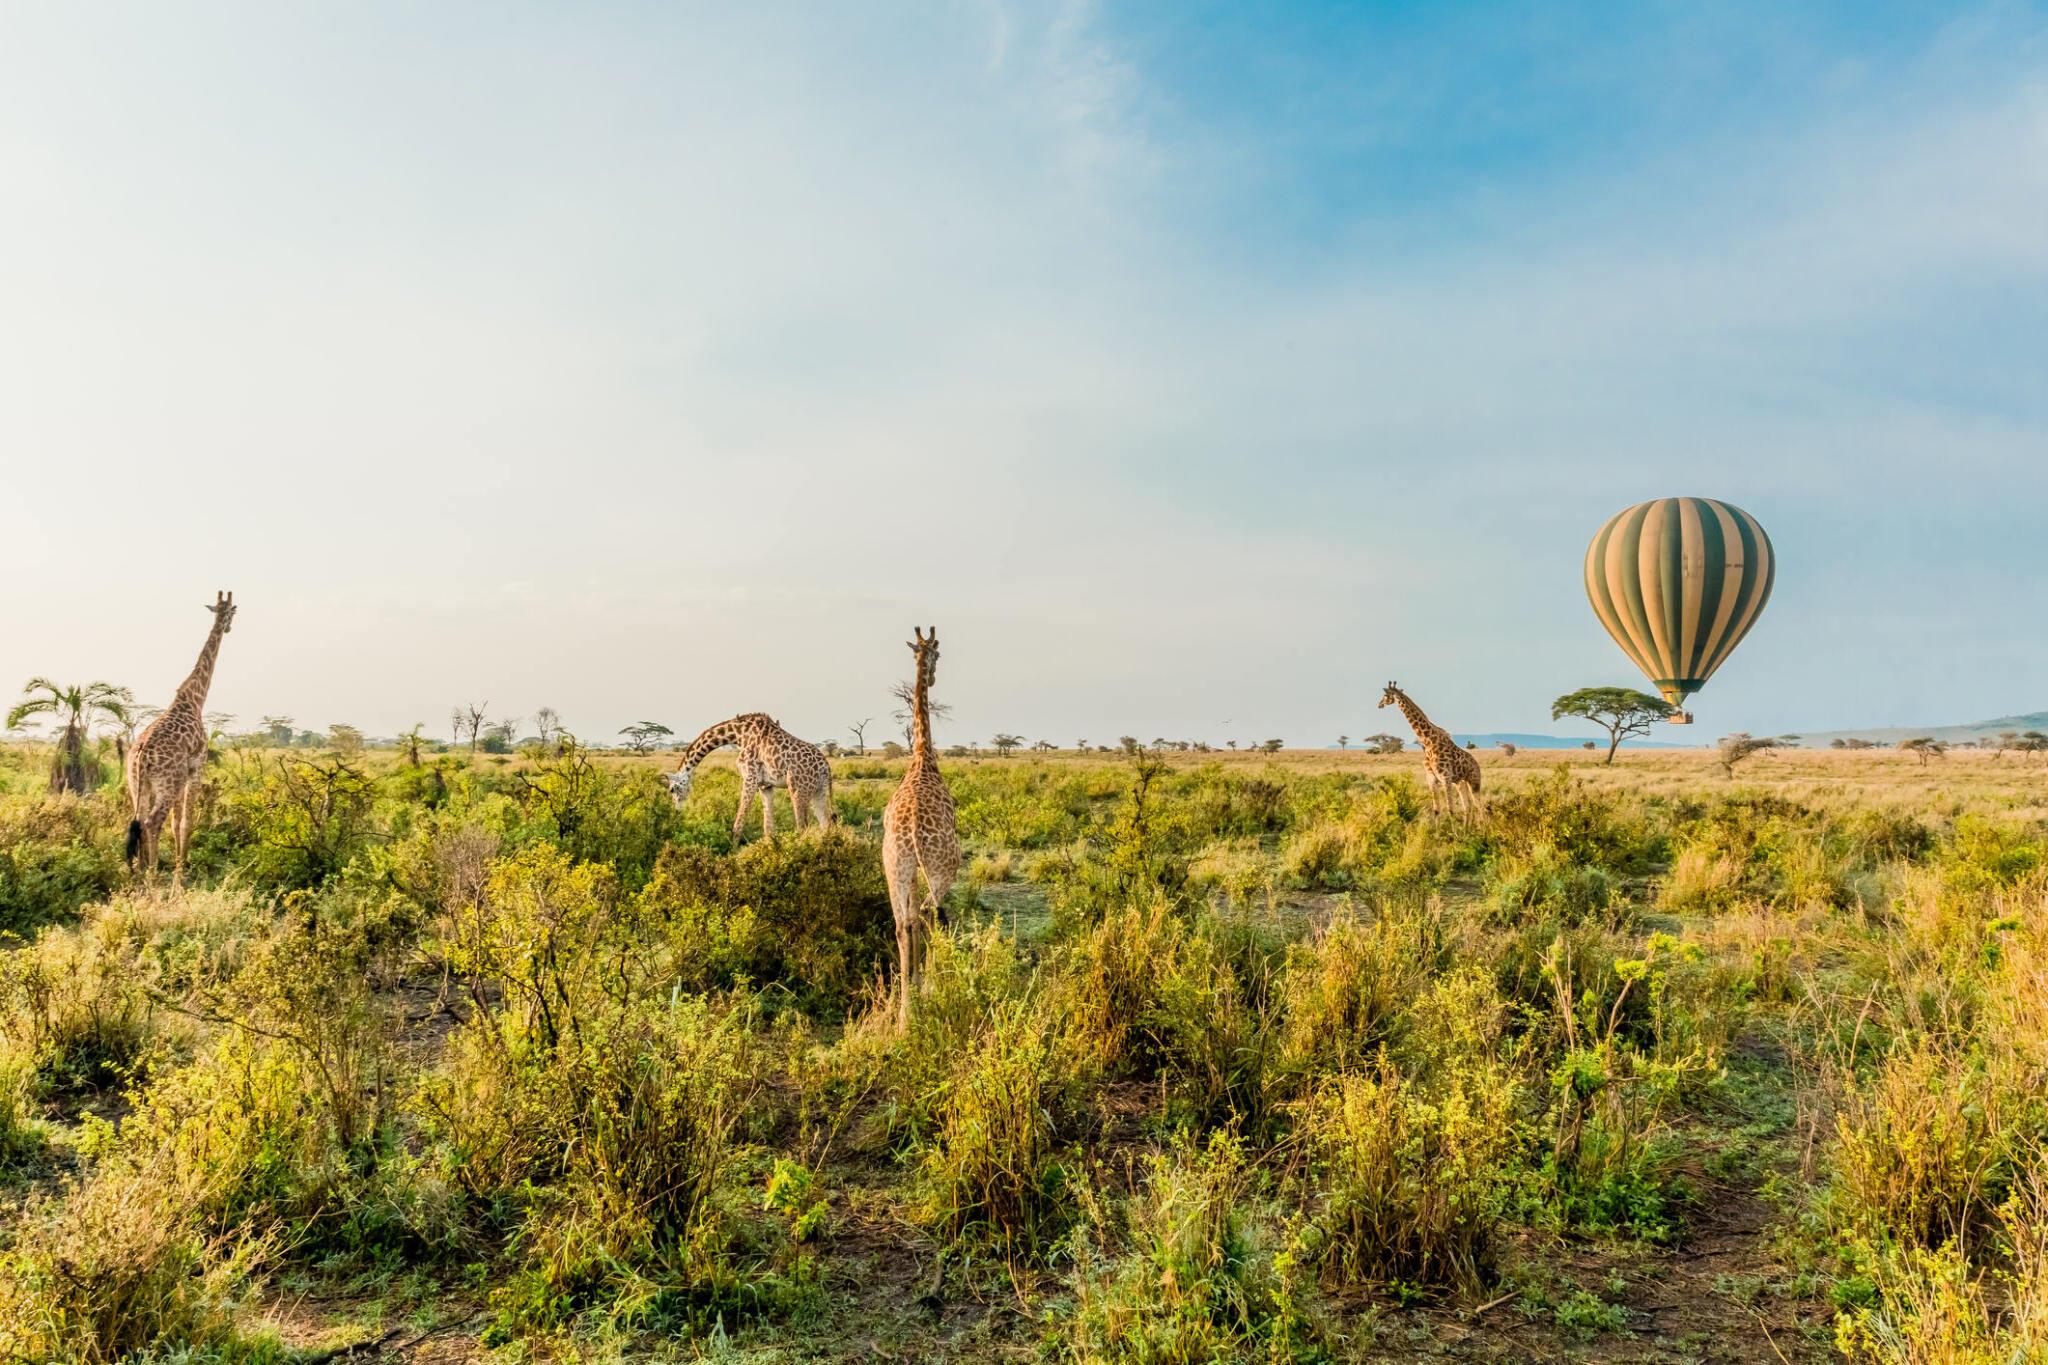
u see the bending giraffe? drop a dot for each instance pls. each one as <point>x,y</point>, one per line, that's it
<point>770,757</point>
<point>918,834</point>
<point>168,757</point>
<point>1451,772</point>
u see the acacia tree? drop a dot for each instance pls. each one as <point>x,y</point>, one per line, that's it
<point>1620,711</point>
<point>1270,746</point>
<point>77,708</point>
<point>1384,744</point>
<point>547,726</point>
<point>642,736</point>
<point>1343,741</point>
<point>860,735</point>
<point>1742,745</point>
<point>1005,745</point>
<point>278,730</point>
<point>1924,748</point>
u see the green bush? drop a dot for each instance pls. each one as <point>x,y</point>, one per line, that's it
<point>808,913</point>
<point>1414,1178</point>
<point>57,855</point>
<point>1194,1283</point>
<point>992,1171</point>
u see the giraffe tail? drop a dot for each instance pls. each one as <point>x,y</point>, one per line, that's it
<point>134,841</point>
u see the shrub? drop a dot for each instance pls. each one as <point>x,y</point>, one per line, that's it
<point>57,855</point>
<point>22,1140</point>
<point>807,913</point>
<point>1110,980</point>
<point>991,1171</point>
<point>116,1272</point>
<point>1544,883</point>
<point>71,1007</point>
<point>1917,1152</point>
<point>1345,990</point>
<point>1195,1284</point>
<point>1413,1179</point>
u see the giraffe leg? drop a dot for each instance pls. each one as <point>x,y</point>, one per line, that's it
<point>767,811</point>
<point>152,837</point>
<point>739,819</point>
<point>899,867</point>
<point>796,806</point>
<point>181,831</point>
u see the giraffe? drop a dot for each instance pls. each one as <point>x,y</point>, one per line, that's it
<point>1452,773</point>
<point>918,835</point>
<point>770,757</point>
<point>167,758</point>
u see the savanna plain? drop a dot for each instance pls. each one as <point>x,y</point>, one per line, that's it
<point>445,1057</point>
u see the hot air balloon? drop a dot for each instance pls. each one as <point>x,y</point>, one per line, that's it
<point>1678,582</point>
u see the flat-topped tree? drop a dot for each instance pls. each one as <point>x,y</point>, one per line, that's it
<point>643,735</point>
<point>1924,747</point>
<point>1622,712</point>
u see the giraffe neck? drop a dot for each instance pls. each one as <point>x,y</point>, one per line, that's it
<point>921,719</point>
<point>1424,729</point>
<point>717,737</point>
<point>191,694</point>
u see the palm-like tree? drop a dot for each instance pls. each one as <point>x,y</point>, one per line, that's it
<point>78,708</point>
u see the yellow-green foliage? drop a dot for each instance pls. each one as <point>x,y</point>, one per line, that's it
<point>1348,987</point>
<point>117,1271</point>
<point>991,1169</point>
<point>519,1030</point>
<point>1194,1281</point>
<point>57,855</point>
<point>1412,1174</point>
<point>809,914</point>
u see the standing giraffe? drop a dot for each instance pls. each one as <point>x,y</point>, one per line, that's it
<point>1452,773</point>
<point>167,758</point>
<point>918,835</point>
<point>770,757</point>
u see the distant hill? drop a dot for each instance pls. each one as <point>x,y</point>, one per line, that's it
<point>1953,734</point>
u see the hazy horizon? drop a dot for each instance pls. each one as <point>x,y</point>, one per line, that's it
<point>1194,371</point>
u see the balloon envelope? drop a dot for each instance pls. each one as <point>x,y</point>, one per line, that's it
<point>1678,582</point>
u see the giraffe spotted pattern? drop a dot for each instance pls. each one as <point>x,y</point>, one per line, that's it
<point>1451,772</point>
<point>918,832</point>
<point>769,757</point>
<point>168,758</point>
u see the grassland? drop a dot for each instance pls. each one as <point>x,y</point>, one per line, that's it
<point>1218,1058</point>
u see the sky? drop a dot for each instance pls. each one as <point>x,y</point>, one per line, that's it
<point>1194,368</point>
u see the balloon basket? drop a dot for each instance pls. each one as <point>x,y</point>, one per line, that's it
<point>1680,718</point>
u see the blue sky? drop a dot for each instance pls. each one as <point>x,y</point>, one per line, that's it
<point>1195,367</point>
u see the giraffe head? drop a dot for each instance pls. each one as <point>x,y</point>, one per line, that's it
<point>678,785</point>
<point>223,610</point>
<point>926,648</point>
<point>1391,696</point>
